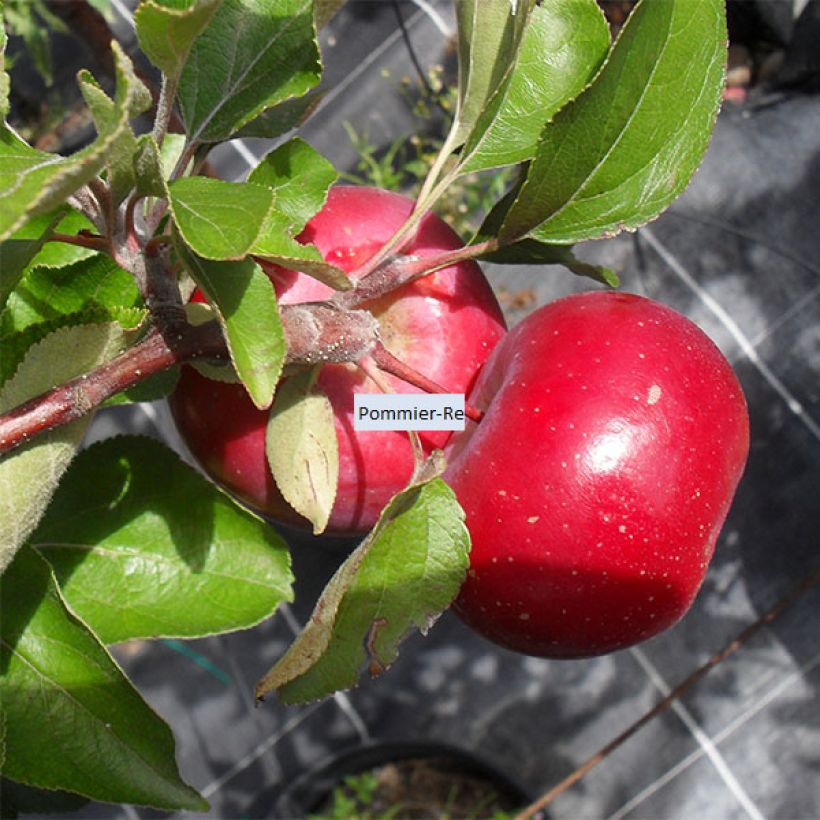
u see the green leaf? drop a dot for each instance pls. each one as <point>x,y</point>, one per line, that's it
<point>33,182</point>
<point>16,799</point>
<point>30,474</point>
<point>562,48</point>
<point>252,55</point>
<point>17,252</point>
<point>402,576</point>
<point>46,293</point>
<point>193,562</point>
<point>299,177</point>
<point>245,303</point>
<point>273,122</point>
<point>275,244</point>
<point>532,252</point>
<point>219,220</point>
<point>622,151</point>
<point>167,29</point>
<point>74,721</point>
<point>302,449</point>
<point>172,147</point>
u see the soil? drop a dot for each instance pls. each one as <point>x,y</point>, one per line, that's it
<point>431,787</point>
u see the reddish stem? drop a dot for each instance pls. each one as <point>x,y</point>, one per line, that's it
<point>102,193</point>
<point>396,271</point>
<point>153,245</point>
<point>390,364</point>
<point>84,240</point>
<point>412,269</point>
<point>72,400</point>
<point>130,226</point>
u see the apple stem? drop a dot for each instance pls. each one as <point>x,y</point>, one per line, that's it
<point>729,649</point>
<point>369,366</point>
<point>387,362</point>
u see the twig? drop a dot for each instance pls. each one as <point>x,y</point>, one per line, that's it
<point>790,598</point>
<point>84,201</point>
<point>102,194</point>
<point>165,108</point>
<point>415,268</point>
<point>84,240</point>
<point>314,333</point>
<point>396,271</point>
<point>74,399</point>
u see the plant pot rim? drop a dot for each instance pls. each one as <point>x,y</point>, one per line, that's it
<point>305,794</point>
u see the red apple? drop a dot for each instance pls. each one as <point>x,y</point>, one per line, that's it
<point>444,325</point>
<point>614,437</point>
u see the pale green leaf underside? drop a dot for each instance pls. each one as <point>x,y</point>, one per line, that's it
<point>489,35</point>
<point>33,182</point>
<point>193,562</point>
<point>4,77</point>
<point>302,449</point>
<point>624,149</point>
<point>252,55</point>
<point>73,720</point>
<point>245,303</point>
<point>402,576</point>
<point>166,31</point>
<point>30,474</point>
<point>149,174</point>
<point>119,163</point>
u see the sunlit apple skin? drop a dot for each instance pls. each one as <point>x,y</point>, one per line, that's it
<point>614,438</point>
<point>444,325</point>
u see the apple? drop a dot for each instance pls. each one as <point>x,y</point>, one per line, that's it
<point>444,325</point>
<point>596,484</point>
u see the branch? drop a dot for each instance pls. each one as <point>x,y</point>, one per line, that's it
<point>72,400</point>
<point>314,333</point>
<point>804,586</point>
